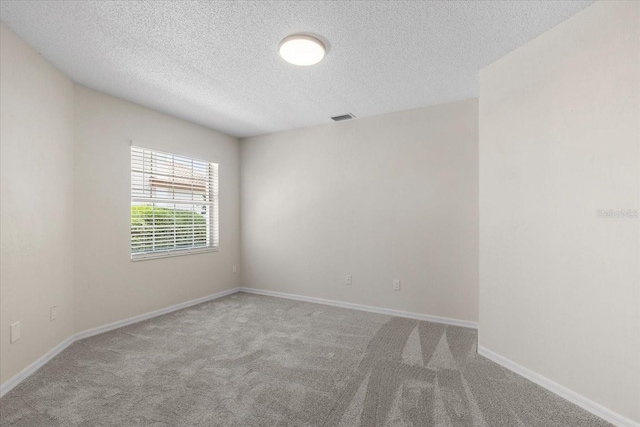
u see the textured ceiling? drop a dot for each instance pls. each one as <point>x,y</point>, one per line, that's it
<point>216,63</point>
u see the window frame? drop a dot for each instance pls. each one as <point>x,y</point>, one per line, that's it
<point>212,194</point>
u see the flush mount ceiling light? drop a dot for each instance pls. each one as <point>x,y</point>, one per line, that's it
<point>301,49</point>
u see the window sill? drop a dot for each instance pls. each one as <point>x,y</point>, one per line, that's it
<point>168,254</point>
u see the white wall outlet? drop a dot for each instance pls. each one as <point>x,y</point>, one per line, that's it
<point>396,284</point>
<point>15,332</point>
<point>53,312</point>
<point>348,280</point>
<point>235,268</point>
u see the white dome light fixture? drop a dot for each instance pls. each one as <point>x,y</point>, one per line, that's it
<point>301,49</point>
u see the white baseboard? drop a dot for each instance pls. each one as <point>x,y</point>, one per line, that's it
<point>387,311</point>
<point>135,319</point>
<point>22,375</point>
<point>570,395</point>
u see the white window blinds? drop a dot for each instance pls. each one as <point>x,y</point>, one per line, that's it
<point>174,204</point>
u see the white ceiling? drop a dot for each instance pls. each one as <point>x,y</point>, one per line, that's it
<point>216,63</point>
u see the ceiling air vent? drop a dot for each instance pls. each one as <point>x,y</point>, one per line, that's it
<point>347,116</point>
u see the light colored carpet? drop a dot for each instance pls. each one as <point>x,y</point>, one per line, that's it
<point>248,360</point>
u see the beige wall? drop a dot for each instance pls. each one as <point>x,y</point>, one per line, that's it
<point>392,196</point>
<point>559,139</point>
<point>109,287</point>
<point>65,204</point>
<point>36,150</point>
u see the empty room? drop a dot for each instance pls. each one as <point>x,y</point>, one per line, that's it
<point>320,213</point>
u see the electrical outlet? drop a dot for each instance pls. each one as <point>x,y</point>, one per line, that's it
<point>235,268</point>
<point>15,332</point>
<point>53,313</point>
<point>396,284</point>
<point>348,280</point>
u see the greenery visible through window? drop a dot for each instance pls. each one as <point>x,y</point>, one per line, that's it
<point>174,204</point>
<point>143,217</point>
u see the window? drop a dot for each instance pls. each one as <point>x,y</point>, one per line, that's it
<point>174,204</point>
